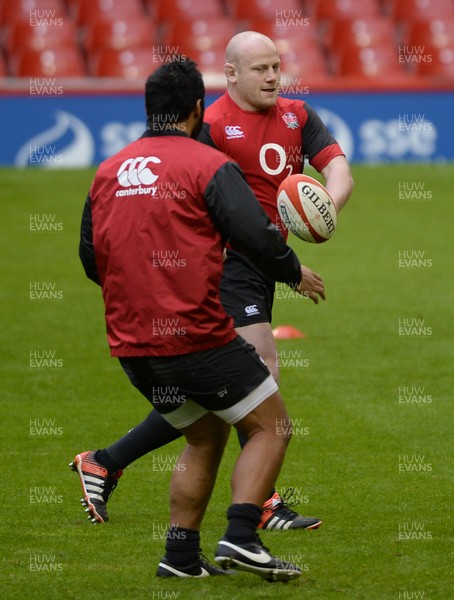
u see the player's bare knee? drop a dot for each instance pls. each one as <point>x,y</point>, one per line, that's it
<point>283,427</point>
<point>217,445</point>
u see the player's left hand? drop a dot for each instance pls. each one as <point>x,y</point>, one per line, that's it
<point>311,285</point>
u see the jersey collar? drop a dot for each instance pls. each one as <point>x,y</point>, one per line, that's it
<point>167,132</point>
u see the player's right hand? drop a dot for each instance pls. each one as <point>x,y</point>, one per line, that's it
<point>311,285</point>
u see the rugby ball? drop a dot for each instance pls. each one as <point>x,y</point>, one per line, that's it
<point>306,209</point>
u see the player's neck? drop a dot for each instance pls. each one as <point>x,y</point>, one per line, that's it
<point>236,99</point>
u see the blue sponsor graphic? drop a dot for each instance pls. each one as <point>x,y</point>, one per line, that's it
<point>82,130</point>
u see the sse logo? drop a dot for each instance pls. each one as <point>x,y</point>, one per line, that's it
<point>133,173</point>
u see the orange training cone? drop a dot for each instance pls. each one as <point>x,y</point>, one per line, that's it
<point>287,332</point>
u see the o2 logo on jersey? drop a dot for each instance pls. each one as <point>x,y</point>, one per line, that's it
<point>133,173</point>
<point>281,159</point>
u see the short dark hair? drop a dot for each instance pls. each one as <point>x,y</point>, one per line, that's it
<point>172,91</point>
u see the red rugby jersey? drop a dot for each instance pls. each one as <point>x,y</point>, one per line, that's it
<point>269,145</point>
<point>153,232</point>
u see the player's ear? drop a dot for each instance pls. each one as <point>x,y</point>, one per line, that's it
<point>198,109</point>
<point>230,72</point>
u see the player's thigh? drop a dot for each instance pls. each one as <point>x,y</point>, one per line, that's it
<point>260,335</point>
<point>230,381</point>
<point>216,378</point>
<point>245,294</point>
<point>208,431</point>
<point>269,416</point>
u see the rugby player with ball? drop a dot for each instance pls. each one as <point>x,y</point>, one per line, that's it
<point>269,137</point>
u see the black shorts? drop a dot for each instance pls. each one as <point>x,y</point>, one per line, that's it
<point>229,381</point>
<point>246,295</point>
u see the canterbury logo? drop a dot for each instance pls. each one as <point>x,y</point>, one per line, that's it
<point>234,131</point>
<point>252,310</point>
<point>134,171</point>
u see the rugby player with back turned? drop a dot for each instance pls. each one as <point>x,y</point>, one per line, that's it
<point>217,379</point>
<point>269,137</point>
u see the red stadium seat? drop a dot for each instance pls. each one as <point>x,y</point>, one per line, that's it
<point>89,11</point>
<point>200,34</point>
<point>361,32</point>
<point>296,45</point>
<point>434,32</point>
<point>64,62</point>
<point>335,10</point>
<point>282,11</point>
<point>436,62</point>
<point>120,34</point>
<point>33,12</point>
<point>20,36</point>
<point>418,10</point>
<point>131,64</point>
<point>3,67</point>
<point>169,10</point>
<point>285,35</point>
<point>304,63</point>
<point>377,61</point>
<point>210,61</point>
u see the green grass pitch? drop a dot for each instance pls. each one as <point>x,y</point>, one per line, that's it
<point>369,389</point>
